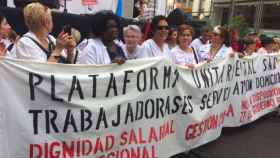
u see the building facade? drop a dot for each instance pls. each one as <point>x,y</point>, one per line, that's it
<point>261,15</point>
<point>198,8</point>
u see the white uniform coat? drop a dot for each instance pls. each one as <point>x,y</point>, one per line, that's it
<point>150,49</point>
<point>93,51</point>
<point>180,57</point>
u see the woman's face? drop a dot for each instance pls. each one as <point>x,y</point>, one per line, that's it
<point>49,21</point>
<point>216,38</point>
<point>251,48</point>
<point>5,28</point>
<point>173,36</point>
<point>131,38</point>
<point>111,32</point>
<point>162,30</point>
<point>185,38</point>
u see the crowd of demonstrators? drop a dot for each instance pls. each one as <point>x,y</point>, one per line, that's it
<point>37,44</point>
<point>104,47</point>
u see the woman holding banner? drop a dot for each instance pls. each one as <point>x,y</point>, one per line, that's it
<point>132,36</point>
<point>156,47</point>
<point>219,47</point>
<point>184,54</point>
<point>37,44</point>
<point>102,48</point>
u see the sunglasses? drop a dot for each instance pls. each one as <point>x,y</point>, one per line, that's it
<point>163,27</point>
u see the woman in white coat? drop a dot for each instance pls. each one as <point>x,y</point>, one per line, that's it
<point>184,54</point>
<point>37,44</point>
<point>156,46</point>
<point>102,48</point>
<point>219,47</point>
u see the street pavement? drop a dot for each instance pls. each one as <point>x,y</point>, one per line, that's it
<point>260,139</point>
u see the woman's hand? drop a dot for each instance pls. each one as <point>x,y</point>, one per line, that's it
<point>62,40</point>
<point>191,66</point>
<point>231,55</point>
<point>208,60</point>
<point>119,60</point>
<point>3,49</point>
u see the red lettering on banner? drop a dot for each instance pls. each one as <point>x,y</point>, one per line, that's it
<point>245,116</point>
<point>54,153</point>
<point>229,112</point>
<point>195,130</point>
<point>68,150</point>
<point>152,135</point>
<point>32,150</point>
<point>132,137</point>
<point>244,104</point>
<point>84,147</point>
<point>263,105</point>
<point>141,140</point>
<point>53,150</point>
<point>124,138</point>
<point>98,146</point>
<point>135,136</point>
<point>259,102</point>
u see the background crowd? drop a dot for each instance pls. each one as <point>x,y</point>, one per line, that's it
<point>164,39</point>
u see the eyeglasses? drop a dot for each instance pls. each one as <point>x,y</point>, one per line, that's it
<point>163,27</point>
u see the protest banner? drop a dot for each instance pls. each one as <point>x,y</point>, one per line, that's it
<point>142,109</point>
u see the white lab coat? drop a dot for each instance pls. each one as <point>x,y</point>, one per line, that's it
<point>180,57</point>
<point>93,51</point>
<point>134,55</point>
<point>150,49</point>
<point>197,45</point>
<point>25,48</point>
<point>223,52</point>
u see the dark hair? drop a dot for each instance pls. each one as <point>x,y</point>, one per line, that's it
<point>176,18</point>
<point>99,21</point>
<point>206,29</point>
<point>225,35</point>
<point>171,31</point>
<point>156,20</point>
<point>183,27</point>
<point>245,42</point>
<point>248,41</point>
<point>265,40</point>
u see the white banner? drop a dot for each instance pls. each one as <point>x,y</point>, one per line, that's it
<point>145,108</point>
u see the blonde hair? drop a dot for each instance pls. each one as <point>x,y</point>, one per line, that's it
<point>35,15</point>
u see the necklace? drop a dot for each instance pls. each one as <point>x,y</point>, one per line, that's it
<point>214,51</point>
